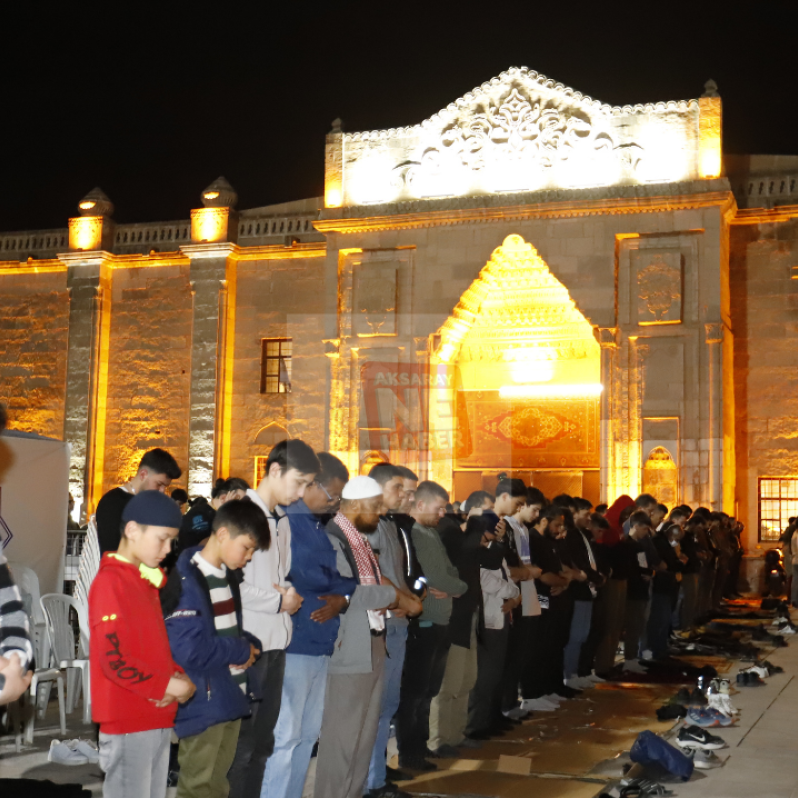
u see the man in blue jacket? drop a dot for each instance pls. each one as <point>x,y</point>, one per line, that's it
<point>202,605</point>
<point>314,575</point>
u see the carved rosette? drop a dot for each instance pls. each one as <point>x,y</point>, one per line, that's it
<point>659,288</point>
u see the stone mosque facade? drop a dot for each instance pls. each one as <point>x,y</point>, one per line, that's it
<point>595,298</point>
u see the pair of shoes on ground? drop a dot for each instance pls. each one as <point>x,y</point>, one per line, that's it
<point>546,703</point>
<point>706,718</point>
<point>73,752</point>
<point>704,760</point>
<point>642,788</point>
<point>583,682</point>
<point>722,703</point>
<point>749,678</point>
<point>696,737</point>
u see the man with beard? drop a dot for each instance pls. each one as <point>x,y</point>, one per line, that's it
<point>355,677</point>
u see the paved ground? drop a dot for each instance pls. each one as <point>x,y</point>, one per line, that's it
<point>761,761</point>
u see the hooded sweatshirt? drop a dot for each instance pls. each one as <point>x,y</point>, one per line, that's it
<point>130,659</point>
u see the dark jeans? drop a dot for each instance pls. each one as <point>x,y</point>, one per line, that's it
<point>634,627</point>
<point>256,738</point>
<point>484,703</point>
<point>425,664</point>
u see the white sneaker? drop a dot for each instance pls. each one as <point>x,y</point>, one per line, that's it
<point>516,713</point>
<point>65,753</point>
<point>89,750</point>
<point>575,683</point>
<point>761,671</point>
<point>538,705</point>
<point>554,698</point>
<point>596,679</point>
<point>715,701</point>
<point>703,759</point>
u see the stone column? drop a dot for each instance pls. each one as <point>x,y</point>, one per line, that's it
<point>711,444</point>
<point>87,369</point>
<point>211,362</point>
<point>608,341</point>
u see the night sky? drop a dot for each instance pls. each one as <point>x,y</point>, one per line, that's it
<point>153,101</point>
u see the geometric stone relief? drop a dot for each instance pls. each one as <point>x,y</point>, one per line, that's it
<point>661,477</point>
<point>375,300</point>
<point>658,286</point>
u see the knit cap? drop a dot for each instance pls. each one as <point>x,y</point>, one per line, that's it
<point>153,508</point>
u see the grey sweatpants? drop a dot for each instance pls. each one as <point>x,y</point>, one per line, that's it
<point>136,765</point>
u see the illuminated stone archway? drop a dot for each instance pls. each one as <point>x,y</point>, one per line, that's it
<point>524,370</point>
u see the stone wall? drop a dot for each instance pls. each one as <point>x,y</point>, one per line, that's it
<point>149,368</point>
<point>34,322</point>
<point>764,303</point>
<point>278,299</point>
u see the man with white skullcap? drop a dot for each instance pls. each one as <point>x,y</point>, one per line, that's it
<point>355,676</point>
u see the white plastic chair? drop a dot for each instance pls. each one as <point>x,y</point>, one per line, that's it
<point>66,653</point>
<point>40,676</point>
<point>89,565</point>
<point>28,582</point>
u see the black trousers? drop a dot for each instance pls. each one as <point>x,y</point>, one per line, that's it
<point>562,611</point>
<point>484,703</point>
<point>534,678</point>
<point>256,738</point>
<point>520,644</point>
<point>422,675</point>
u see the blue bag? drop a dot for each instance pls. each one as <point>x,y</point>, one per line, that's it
<point>649,750</point>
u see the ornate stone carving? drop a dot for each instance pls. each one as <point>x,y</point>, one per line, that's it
<point>661,477</point>
<point>375,301</point>
<point>517,130</point>
<point>659,289</point>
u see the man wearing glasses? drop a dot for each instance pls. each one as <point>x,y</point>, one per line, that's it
<point>314,575</point>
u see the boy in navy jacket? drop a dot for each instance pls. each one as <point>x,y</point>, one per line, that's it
<point>202,605</point>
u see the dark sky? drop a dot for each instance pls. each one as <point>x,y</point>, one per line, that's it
<point>153,101</point>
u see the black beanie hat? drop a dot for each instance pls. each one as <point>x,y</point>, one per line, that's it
<point>153,508</point>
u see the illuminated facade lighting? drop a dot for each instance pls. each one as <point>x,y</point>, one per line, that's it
<point>550,391</point>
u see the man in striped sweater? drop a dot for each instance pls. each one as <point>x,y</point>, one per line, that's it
<point>16,652</point>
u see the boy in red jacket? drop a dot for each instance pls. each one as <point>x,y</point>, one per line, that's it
<point>134,680</point>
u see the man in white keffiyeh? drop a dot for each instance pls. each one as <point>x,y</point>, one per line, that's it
<point>355,676</point>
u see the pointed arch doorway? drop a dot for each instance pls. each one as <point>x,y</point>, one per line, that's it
<point>523,383</point>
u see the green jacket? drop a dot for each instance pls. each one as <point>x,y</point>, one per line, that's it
<point>439,572</point>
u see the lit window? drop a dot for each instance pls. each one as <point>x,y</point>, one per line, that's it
<point>778,502</point>
<point>275,365</point>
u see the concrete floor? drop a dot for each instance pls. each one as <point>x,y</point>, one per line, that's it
<point>761,761</point>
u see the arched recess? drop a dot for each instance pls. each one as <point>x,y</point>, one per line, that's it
<point>522,381</point>
<point>265,440</point>
<point>661,477</point>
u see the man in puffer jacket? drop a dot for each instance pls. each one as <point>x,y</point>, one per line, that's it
<point>202,604</point>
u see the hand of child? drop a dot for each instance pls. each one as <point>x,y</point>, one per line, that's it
<point>253,655</point>
<point>292,601</point>
<point>17,680</point>
<point>438,594</point>
<point>181,687</point>
<point>333,606</point>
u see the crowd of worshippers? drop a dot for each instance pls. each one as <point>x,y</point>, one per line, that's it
<point>316,612</point>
